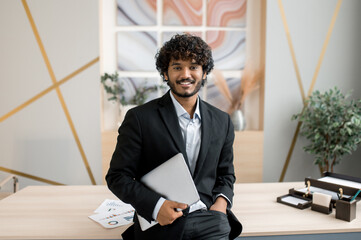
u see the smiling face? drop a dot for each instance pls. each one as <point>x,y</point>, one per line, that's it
<point>184,77</point>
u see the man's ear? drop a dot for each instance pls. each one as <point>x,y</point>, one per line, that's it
<point>165,76</point>
<point>204,75</point>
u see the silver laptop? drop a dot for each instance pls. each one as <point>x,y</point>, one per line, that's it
<point>173,181</point>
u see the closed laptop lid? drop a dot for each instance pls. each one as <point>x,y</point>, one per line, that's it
<point>173,181</point>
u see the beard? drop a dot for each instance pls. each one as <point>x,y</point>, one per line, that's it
<point>186,95</point>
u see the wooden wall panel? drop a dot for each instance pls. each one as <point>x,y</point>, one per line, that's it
<point>109,140</point>
<point>248,154</point>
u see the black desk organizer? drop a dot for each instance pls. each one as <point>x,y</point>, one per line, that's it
<point>345,209</point>
<point>291,193</point>
<point>322,209</point>
<point>335,187</point>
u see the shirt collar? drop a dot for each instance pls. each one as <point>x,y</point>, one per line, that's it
<point>181,111</point>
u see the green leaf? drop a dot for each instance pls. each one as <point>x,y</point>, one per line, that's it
<point>331,123</point>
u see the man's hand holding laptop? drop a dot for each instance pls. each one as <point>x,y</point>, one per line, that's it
<point>171,210</point>
<point>168,212</point>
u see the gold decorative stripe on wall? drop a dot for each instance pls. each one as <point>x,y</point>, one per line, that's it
<point>44,92</point>
<point>289,40</point>
<point>263,28</point>
<point>38,39</point>
<point>290,151</point>
<point>29,176</point>
<point>60,96</point>
<point>324,47</point>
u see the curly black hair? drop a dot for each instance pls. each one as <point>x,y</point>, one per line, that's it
<point>184,47</point>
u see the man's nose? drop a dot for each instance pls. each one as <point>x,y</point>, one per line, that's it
<point>186,73</point>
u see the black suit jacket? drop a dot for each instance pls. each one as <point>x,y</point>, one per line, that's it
<point>150,135</point>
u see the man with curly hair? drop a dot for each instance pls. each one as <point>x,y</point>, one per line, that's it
<point>178,122</point>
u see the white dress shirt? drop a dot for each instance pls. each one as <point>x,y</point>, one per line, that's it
<point>191,133</point>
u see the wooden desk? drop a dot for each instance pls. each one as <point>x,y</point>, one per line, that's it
<point>61,212</point>
<point>55,212</point>
<point>256,208</point>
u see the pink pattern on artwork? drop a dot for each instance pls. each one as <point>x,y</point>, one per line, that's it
<point>187,12</point>
<point>226,13</point>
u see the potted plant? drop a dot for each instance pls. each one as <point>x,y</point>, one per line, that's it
<point>114,88</point>
<point>332,124</point>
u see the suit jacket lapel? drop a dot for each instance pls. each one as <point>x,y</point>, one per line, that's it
<point>169,117</point>
<point>206,136</point>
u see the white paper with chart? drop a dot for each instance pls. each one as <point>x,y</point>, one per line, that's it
<point>113,213</point>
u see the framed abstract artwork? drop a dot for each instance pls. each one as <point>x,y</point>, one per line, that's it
<point>144,25</point>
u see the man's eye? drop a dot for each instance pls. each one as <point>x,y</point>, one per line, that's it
<point>194,68</point>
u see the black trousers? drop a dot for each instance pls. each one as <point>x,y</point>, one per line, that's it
<point>202,224</point>
<point>207,225</point>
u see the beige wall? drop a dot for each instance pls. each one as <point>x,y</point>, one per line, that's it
<point>38,139</point>
<point>308,23</point>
